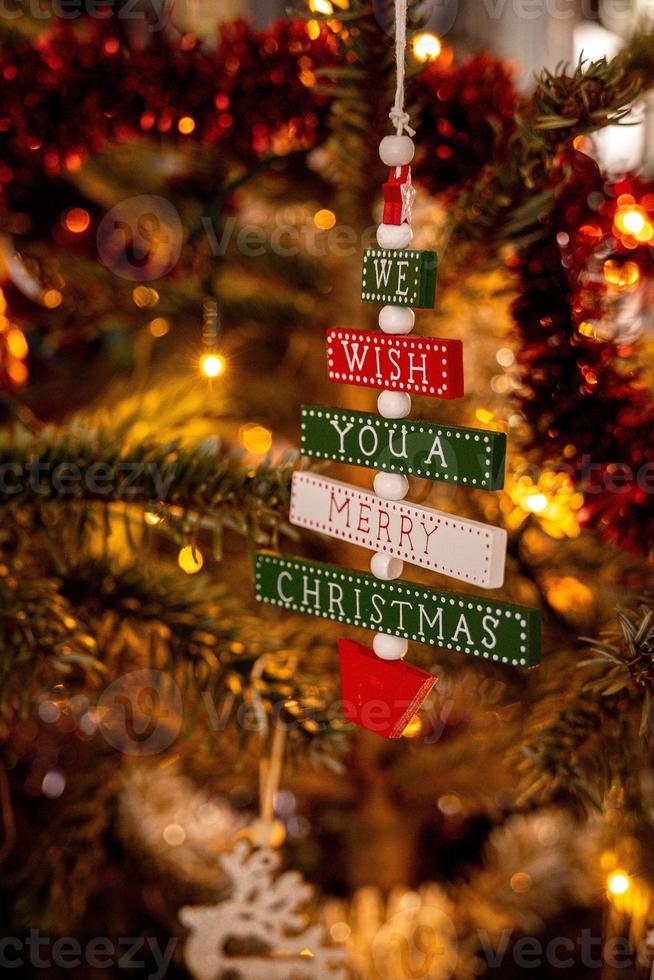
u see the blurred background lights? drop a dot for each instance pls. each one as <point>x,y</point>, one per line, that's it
<point>174,834</point>
<point>77,220</point>
<point>484,415</point>
<point>255,438</point>
<point>449,804</point>
<point>190,559</point>
<point>426,47</point>
<point>212,365</point>
<point>521,882</point>
<point>186,125</point>
<point>49,711</point>
<point>619,883</point>
<point>410,900</point>
<point>413,728</point>
<point>632,220</point>
<point>52,298</point>
<point>324,219</point>
<point>553,500</point>
<point>321,7</point>
<point>54,783</point>
<point>145,296</point>
<point>621,274</point>
<point>505,357</point>
<point>340,932</point>
<point>536,502</point>
<point>159,327</point>
<point>17,343</point>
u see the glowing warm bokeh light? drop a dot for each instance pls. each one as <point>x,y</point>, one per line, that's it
<point>190,560</point>
<point>553,500</point>
<point>256,438</point>
<point>426,47</point>
<point>174,834</point>
<point>537,502</point>
<point>17,344</point>
<point>521,882</point>
<point>52,298</point>
<point>633,220</point>
<point>159,327</point>
<point>77,220</point>
<point>413,728</point>
<point>621,274</point>
<point>587,328</point>
<point>321,7</point>
<point>186,125</point>
<point>145,296</point>
<point>212,365</point>
<point>17,372</point>
<point>324,219</point>
<point>619,883</point>
<point>151,518</point>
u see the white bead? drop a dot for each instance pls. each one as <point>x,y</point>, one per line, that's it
<point>397,319</point>
<point>396,151</point>
<point>386,568</point>
<point>394,404</point>
<point>391,486</point>
<point>389,647</point>
<point>394,236</point>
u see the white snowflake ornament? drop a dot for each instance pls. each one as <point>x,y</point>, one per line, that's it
<point>263,910</point>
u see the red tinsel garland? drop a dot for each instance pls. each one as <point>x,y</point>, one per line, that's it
<point>589,412</point>
<point>467,117</point>
<point>71,91</point>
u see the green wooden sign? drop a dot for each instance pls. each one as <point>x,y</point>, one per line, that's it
<point>400,277</point>
<point>491,630</point>
<point>470,457</point>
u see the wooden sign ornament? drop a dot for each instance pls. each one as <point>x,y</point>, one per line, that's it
<point>481,627</point>
<point>420,365</point>
<point>376,695</point>
<point>380,691</point>
<point>403,278</point>
<point>454,546</point>
<point>470,457</point>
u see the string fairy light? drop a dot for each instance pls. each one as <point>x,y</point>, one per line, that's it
<point>619,883</point>
<point>427,47</point>
<point>212,363</point>
<point>190,559</point>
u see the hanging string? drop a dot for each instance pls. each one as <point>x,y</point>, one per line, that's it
<point>270,766</point>
<point>270,773</point>
<point>398,114</point>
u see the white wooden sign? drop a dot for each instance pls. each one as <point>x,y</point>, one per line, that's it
<point>455,546</point>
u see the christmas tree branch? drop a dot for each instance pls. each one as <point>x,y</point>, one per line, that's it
<point>512,196</point>
<point>42,642</point>
<point>591,744</point>
<point>80,463</point>
<point>90,623</point>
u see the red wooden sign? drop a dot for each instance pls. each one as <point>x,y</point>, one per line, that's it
<point>380,695</point>
<point>420,365</point>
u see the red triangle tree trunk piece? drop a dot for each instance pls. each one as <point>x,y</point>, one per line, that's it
<point>380,695</point>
